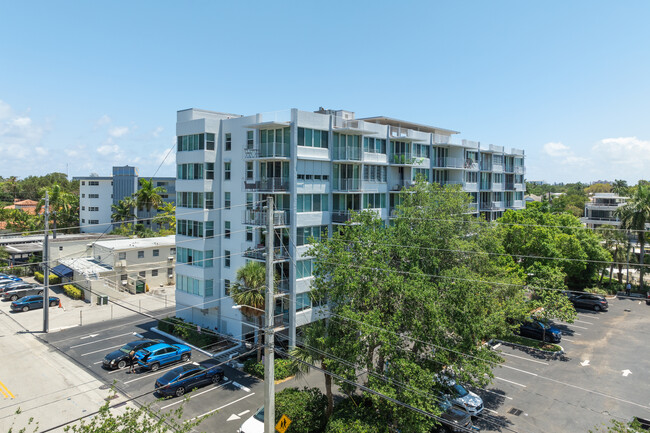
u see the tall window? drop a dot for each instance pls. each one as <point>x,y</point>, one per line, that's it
<point>249,234</point>
<point>187,143</point>
<point>209,170</point>
<point>226,202</point>
<point>226,170</point>
<point>209,141</point>
<point>312,138</point>
<point>249,170</point>
<point>228,141</point>
<point>313,202</point>
<point>226,229</point>
<point>208,288</point>
<point>249,139</point>
<point>226,258</point>
<point>226,287</point>
<point>190,171</point>
<point>209,200</point>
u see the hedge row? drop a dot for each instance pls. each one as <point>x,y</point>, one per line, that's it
<point>54,279</point>
<point>283,368</point>
<point>187,331</point>
<point>73,291</point>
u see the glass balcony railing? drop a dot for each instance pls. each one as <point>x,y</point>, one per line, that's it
<point>270,184</point>
<point>259,217</point>
<point>347,184</point>
<point>268,150</point>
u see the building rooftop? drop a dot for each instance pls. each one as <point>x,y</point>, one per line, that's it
<point>383,120</point>
<point>128,244</point>
<point>86,266</point>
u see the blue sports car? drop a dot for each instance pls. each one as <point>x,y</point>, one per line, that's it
<point>161,354</point>
<point>187,377</point>
<point>32,302</point>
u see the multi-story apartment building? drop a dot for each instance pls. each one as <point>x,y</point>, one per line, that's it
<point>601,209</point>
<point>317,166</point>
<point>97,195</point>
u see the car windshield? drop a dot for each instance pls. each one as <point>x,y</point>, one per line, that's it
<point>459,390</point>
<point>170,376</point>
<point>259,415</point>
<point>128,347</point>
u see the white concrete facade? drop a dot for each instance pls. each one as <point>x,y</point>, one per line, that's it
<point>318,166</point>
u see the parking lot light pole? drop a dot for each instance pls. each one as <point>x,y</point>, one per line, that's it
<point>269,332</point>
<point>46,267</point>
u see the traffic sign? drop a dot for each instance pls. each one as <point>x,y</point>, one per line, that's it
<point>283,424</point>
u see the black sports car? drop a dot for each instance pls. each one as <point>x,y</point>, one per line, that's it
<point>119,358</point>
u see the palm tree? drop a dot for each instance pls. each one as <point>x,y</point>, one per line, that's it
<point>123,210</point>
<point>620,187</point>
<point>617,243</point>
<point>250,293</point>
<point>316,343</point>
<point>62,204</point>
<point>148,197</point>
<point>634,216</point>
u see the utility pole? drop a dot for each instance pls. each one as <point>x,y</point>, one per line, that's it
<point>46,267</point>
<point>269,332</point>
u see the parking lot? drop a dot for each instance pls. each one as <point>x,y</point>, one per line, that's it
<point>604,374</point>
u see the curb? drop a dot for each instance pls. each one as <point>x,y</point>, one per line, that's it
<point>198,349</point>
<point>494,343</point>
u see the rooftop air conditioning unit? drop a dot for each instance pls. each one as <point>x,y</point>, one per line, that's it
<point>170,259</point>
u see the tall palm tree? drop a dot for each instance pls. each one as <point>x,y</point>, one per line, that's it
<point>620,187</point>
<point>148,197</point>
<point>617,243</point>
<point>250,293</point>
<point>634,216</point>
<point>63,205</point>
<point>123,210</point>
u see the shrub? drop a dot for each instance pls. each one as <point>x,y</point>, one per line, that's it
<point>54,279</point>
<point>305,408</point>
<point>73,291</point>
<point>188,332</point>
<point>356,414</point>
<point>283,368</point>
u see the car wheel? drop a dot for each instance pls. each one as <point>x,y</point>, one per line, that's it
<point>597,307</point>
<point>185,357</point>
<point>180,391</point>
<point>25,308</point>
<point>40,293</point>
<point>14,297</point>
<point>155,366</point>
<point>216,378</point>
<point>53,303</point>
<point>121,364</point>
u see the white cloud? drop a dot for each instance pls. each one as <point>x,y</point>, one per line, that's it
<point>19,136</point>
<point>156,132</point>
<point>564,154</point>
<point>159,157</point>
<point>104,120</point>
<point>109,149</point>
<point>5,110</point>
<point>629,152</point>
<point>118,131</point>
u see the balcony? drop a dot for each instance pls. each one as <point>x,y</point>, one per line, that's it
<point>497,187</point>
<point>259,217</point>
<point>473,207</point>
<point>351,126</point>
<point>273,150</point>
<point>400,185</point>
<point>339,217</point>
<point>520,169</point>
<point>452,183</point>
<point>518,204</point>
<point>486,166</point>
<point>347,154</point>
<point>259,253</point>
<point>510,186</point>
<point>346,185</point>
<point>497,168</point>
<point>519,187</point>
<point>271,184</point>
<point>403,158</point>
<point>492,205</point>
<point>449,162</point>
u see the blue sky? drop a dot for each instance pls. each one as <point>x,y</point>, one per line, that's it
<point>88,85</point>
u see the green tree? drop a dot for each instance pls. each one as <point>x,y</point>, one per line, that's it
<point>620,187</point>
<point>64,207</point>
<point>123,211</point>
<point>305,408</point>
<point>148,197</point>
<point>249,291</point>
<point>634,216</point>
<point>166,217</point>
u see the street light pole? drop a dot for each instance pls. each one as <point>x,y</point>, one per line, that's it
<point>269,332</point>
<point>46,267</point>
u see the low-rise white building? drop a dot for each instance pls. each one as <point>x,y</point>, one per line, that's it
<point>601,209</point>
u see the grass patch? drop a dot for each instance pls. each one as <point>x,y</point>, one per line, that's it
<point>529,342</point>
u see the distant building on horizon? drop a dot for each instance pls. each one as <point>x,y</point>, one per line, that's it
<point>97,195</point>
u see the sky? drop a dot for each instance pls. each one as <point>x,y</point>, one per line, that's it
<point>88,85</point>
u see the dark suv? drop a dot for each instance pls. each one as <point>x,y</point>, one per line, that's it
<point>20,290</point>
<point>589,301</point>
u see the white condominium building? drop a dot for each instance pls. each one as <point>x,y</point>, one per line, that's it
<point>317,166</point>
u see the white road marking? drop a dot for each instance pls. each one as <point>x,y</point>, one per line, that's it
<point>493,411</point>
<point>241,387</point>
<point>509,381</point>
<point>101,350</point>
<point>118,369</point>
<point>194,395</point>
<point>626,373</point>
<point>576,326</point>
<point>582,321</point>
<point>98,362</point>
<point>585,363</point>
<point>89,336</point>
<point>221,407</point>
<point>566,339</point>
<point>151,373</point>
<point>497,346</point>
<point>524,358</point>
<point>101,339</point>
<point>233,417</point>
<point>496,393</point>
<point>244,412</point>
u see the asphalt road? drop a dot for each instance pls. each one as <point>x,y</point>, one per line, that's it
<point>604,374</point>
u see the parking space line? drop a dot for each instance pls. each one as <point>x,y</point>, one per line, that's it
<point>117,369</point>
<point>566,339</point>
<point>8,393</point>
<point>98,362</point>
<point>194,395</point>
<point>150,373</point>
<point>582,321</point>
<point>509,381</point>
<point>493,411</point>
<point>219,408</point>
<point>241,387</point>
<point>526,359</point>
<point>579,327</point>
<point>101,350</point>
<point>102,339</point>
<point>496,393</point>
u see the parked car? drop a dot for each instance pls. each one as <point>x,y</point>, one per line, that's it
<point>537,329</point>
<point>161,354</point>
<point>459,395</point>
<point>22,289</point>
<point>119,358</point>
<point>254,424</point>
<point>33,303</point>
<point>455,418</point>
<point>589,301</point>
<point>187,377</point>
<point>8,280</point>
<point>11,285</point>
